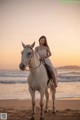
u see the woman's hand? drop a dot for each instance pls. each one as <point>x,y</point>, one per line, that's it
<point>42,59</point>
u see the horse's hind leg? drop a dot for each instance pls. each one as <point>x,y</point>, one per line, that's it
<point>47,99</point>
<point>53,91</point>
<point>33,103</point>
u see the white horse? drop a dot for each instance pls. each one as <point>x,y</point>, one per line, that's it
<point>37,78</point>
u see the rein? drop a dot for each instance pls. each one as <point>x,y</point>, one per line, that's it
<point>30,61</point>
<point>35,67</point>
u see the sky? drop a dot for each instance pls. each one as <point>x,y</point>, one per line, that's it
<point>27,20</point>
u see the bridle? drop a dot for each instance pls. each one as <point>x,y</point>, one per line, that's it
<point>30,61</point>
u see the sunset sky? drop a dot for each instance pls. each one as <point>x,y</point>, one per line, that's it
<point>27,20</point>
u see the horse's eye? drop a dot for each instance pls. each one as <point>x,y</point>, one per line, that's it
<point>29,54</point>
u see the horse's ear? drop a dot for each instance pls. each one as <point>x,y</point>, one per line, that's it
<point>23,45</point>
<point>33,44</point>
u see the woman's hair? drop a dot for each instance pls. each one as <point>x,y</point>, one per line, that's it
<point>45,44</point>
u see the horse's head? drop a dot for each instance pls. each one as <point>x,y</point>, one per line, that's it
<point>26,55</point>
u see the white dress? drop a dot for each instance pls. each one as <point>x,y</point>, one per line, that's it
<point>42,54</point>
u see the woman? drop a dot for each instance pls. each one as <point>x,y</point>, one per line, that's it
<point>44,53</point>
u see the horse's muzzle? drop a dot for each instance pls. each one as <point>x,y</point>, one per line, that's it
<point>22,66</point>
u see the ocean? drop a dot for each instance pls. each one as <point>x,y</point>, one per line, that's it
<point>13,84</point>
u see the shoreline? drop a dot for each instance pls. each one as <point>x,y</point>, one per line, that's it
<point>65,98</point>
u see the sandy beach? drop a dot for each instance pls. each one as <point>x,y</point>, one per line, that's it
<point>21,109</point>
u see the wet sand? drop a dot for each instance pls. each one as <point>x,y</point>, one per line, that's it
<point>21,110</point>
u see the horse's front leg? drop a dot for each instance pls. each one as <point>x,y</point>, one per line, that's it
<point>33,103</point>
<point>47,99</point>
<point>41,105</point>
<point>53,91</point>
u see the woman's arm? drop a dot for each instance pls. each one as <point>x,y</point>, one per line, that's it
<point>48,54</point>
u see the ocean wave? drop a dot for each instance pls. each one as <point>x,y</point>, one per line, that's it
<point>72,76</point>
<point>69,73</point>
<point>13,74</point>
<point>21,81</point>
<point>14,77</point>
<point>68,79</point>
<point>13,81</point>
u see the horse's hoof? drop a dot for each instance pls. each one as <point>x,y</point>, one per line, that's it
<point>41,118</point>
<point>46,110</point>
<point>54,111</point>
<point>32,118</point>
